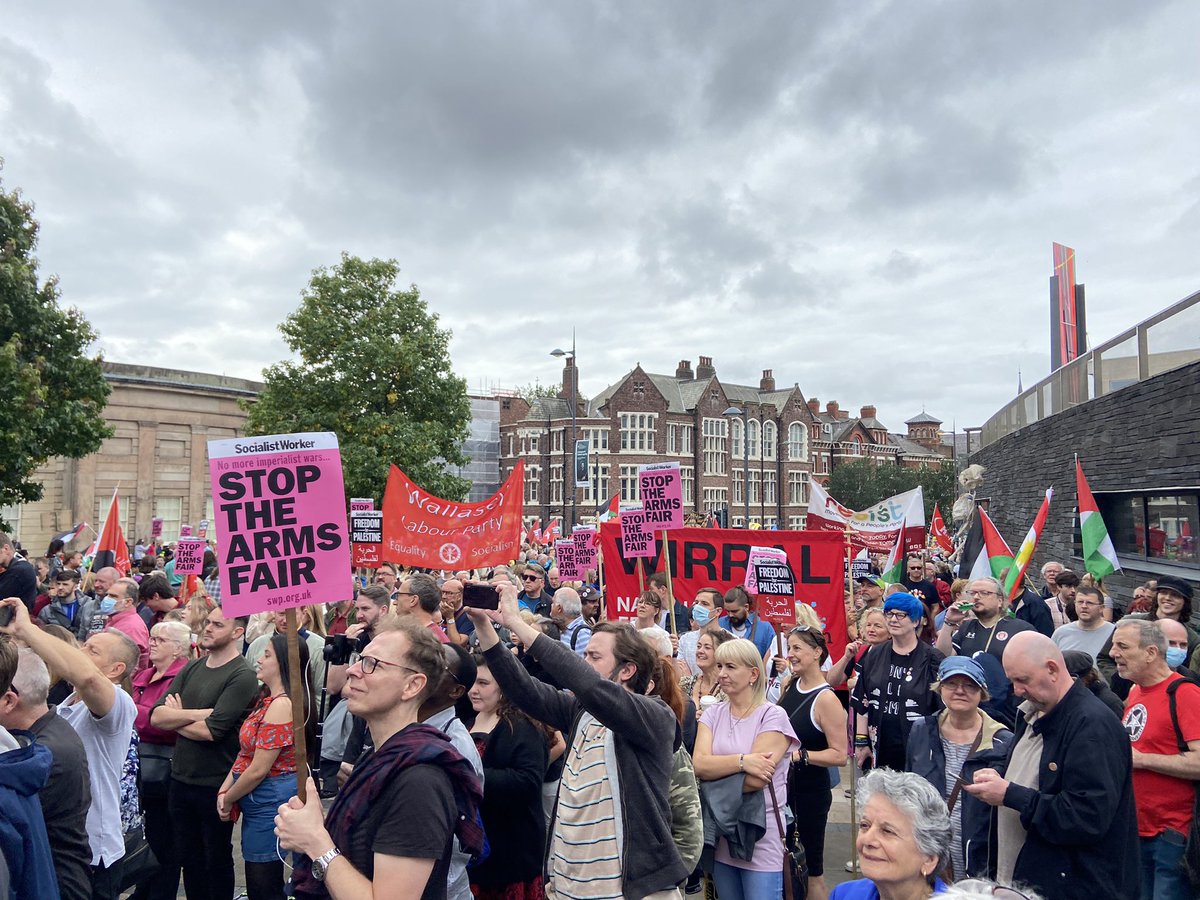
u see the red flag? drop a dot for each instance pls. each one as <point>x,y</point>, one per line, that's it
<point>111,549</point>
<point>937,531</point>
<point>551,533</point>
<point>533,536</point>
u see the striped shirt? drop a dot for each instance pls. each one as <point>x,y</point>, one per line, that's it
<point>956,755</point>
<point>585,853</point>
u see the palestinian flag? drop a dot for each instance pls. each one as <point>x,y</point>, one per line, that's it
<point>1012,586</point>
<point>938,536</point>
<point>67,536</point>
<point>610,510</point>
<point>893,569</point>
<point>111,549</point>
<point>992,556</point>
<point>1099,555</point>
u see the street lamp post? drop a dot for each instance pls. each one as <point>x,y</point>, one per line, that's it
<point>744,413</point>
<point>574,407</point>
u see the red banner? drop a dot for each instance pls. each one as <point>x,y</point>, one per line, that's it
<point>420,529</point>
<point>717,557</point>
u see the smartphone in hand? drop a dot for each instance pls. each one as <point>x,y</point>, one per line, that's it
<point>480,596</point>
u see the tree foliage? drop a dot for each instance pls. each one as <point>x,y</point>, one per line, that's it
<point>374,368</point>
<point>535,390</point>
<point>54,392</point>
<point>861,483</point>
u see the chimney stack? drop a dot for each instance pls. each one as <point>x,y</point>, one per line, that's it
<point>570,380</point>
<point>767,382</point>
<point>683,372</point>
<point>831,408</point>
<point>705,369</point>
<point>867,412</point>
<point>814,405</point>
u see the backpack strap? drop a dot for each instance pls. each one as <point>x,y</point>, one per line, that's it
<point>1172,688</point>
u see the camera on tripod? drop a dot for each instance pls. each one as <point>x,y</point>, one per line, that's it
<point>339,648</point>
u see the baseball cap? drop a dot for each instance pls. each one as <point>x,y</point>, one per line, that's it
<point>872,579</point>
<point>965,666</point>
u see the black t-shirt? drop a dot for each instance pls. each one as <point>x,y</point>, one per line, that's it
<point>414,816</point>
<point>66,799</point>
<point>972,636</point>
<point>926,592</point>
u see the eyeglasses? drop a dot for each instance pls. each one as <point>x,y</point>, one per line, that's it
<point>981,594</point>
<point>370,664</point>
<point>405,594</point>
<point>155,639</point>
<point>895,614</point>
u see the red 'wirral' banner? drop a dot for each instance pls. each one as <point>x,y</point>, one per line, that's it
<point>420,529</point>
<point>716,557</point>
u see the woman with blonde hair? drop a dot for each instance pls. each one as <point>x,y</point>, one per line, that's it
<point>750,740</point>
<point>704,688</point>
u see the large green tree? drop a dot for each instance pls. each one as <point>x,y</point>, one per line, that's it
<point>861,483</point>
<point>54,392</point>
<point>374,368</point>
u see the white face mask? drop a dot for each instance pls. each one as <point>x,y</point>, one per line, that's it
<point>701,615</point>
<point>1176,656</point>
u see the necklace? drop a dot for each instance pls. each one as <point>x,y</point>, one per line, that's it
<point>735,719</point>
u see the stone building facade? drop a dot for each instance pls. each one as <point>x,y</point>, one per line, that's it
<point>162,420</point>
<point>764,456</point>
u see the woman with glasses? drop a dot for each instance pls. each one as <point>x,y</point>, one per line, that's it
<point>704,688</point>
<point>948,749</point>
<point>903,838</point>
<point>872,630</point>
<point>892,690</point>
<point>263,776</point>
<point>170,648</point>
<point>820,725</point>
<point>514,750</point>
<point>748,738</point>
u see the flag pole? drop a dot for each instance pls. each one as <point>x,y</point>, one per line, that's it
<point>666,557</point>
<point>852,728</point>
<point>103,525</point>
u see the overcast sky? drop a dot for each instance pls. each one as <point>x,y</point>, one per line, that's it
<point>860,196</point>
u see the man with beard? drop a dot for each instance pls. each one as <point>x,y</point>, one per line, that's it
<point>205,706</point>
<point>741,622</point>
<point>611,826</point>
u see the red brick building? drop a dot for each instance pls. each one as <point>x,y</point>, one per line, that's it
<point>773,451</point>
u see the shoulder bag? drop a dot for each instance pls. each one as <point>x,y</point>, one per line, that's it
<point>795,863</point>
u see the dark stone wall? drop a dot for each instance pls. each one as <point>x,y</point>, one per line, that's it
<point>1143,436</point>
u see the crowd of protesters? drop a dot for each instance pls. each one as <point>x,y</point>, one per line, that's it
<point>1047,746</point>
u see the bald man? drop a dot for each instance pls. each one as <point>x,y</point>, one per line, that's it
<point>1065,820</point>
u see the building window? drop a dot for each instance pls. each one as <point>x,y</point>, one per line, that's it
<point>687,475</point>
<point>597,489</point>
<point>170,510</point>
<point>797,442</point>
<point>630,490</point>
<point>798,488</point>
<point>796,523</point>
<point>213,533</point>
<point>1162,526</point>
<point>512,445</point>
<point>715,499</point>
<point>739,486</point>
<point>856,447</point>
<point>752,438</point>
<point>771,522</point>
<point>679,438</point>
<point>558,440</point>
<point>597,439</point>
<point>637,431</point>
<point>769,440</point>
<point>770,486</point>
<point>714,447</point>
<point>737,438</point>
<point>556,484</point>
<point>756,486</point>
<point>737,522</point>
<point>533,482</point>
<point>533,443</point>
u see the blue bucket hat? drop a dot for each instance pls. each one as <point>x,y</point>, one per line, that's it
<point>907,604</point>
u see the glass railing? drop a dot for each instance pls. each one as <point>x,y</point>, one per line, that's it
<point>1163,342</point>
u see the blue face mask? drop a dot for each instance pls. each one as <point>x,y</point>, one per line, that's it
<point>701,615</point>
<point>1176,656</point>
<point>107,605</point>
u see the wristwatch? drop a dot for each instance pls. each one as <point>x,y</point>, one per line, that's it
<point>321,864</point>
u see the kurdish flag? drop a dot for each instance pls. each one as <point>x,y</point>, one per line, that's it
<point>893,569</point>
<point>1099,555</point>
<point>1012,586</point>
<point>994,556</point>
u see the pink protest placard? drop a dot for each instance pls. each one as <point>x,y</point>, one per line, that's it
<point>362,504</point>
<point>189,556</point>
<point>662,495</point>
<point>156,527</point>
<point>637,539</point>
<point>185,530</point>
<point>758,555</point>
<point>586,555</point>
<point>280,506</point>
<point>203,533</point>
<point>565,560</point>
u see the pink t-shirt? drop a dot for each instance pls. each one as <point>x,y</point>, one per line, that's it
<point>732,737</point>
